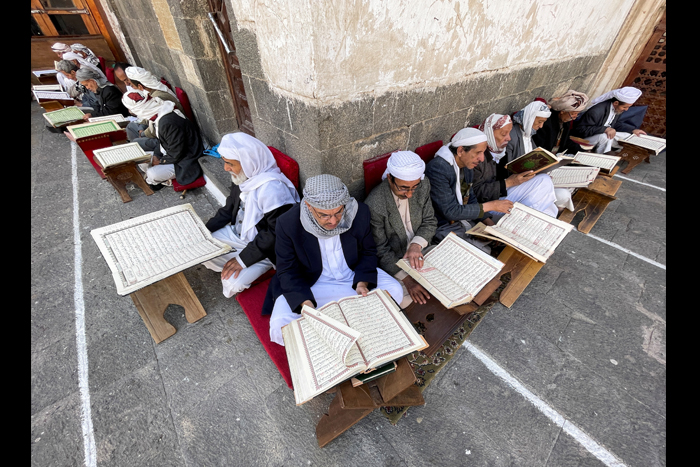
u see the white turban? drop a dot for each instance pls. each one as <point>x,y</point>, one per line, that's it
<point>146,78</point>
<point>141,104</point>
<point>60,47</point>
<point>628,95</point>
<point>84,63</point>
<point>467,137</point>
<point>405,165</point>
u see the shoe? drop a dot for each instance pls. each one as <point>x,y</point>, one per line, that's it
<point>156,187</point>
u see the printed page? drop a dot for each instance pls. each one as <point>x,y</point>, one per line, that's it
<point>597,160</point>
<point>146,249</point>
<point>121,153</point>
<point>566,177</point>
<point>534,232</point>
<point>52,95</point>
<point>116,118</point>
<point>334,332</point>
<point>650,142</point>
<point>385,333</point>
<point>314,367</point>
<point>68,114</point>
<point>480,230</point>
<point>354,358</point>
<point>456,269</point>
<point>90,129</point>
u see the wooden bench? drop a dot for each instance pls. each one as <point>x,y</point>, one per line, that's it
<point>592,200</point>
<point>633,155</point>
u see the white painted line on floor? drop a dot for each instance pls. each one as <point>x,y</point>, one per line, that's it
<point>586,441</point>
<point>86,415</point>
<point>621,248</point>
<point>641,183</point>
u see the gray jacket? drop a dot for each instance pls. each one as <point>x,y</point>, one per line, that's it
<point>388,229</point>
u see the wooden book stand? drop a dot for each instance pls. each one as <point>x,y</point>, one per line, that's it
<point>438,323</point>
<point>352,404</point>
<point>522,270</point>
<point>89,143</point>
<point>592,200</point>
<point>634,155</point>
<point>120,175</point>
<point>152,300</point>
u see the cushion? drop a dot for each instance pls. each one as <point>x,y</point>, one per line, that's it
<point>109,73</point>
<point>427,151</point>
<point>165,81</point>
<point>251,301</point>
<point>374,169</point>
<point>196,184</point>
<point>288,166</point>
<point>185,101</point>
<point>634,116</point>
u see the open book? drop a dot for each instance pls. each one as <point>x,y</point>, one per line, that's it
<point>345,338</point>
<point>60,117</point>
<point>648,142</point>
<point>454,271</point>
<point>116,117</point>
<point>148,248</point>
<point>531,232</point>
<point>537,160</point>
<point>94,128</point>
<point>51,96</point>
<point>605,162</point>
<point>573,177</point>
<point>120,154</point>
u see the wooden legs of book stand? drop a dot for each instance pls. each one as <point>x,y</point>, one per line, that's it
<point>522,270</point>
<point>119,176</point>
<point>634,155</point>
<point>592,200</point>
<point>352,404</point>
<point>151,302</point>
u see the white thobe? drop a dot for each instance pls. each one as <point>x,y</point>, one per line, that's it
<point>334,283</point>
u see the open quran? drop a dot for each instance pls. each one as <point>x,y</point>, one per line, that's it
<point>92,128</point>
<point>47,87</point>
<point>116,117</point>
<point>51,96</point>
<point>345,338</point>
<point>148,248</point>
<point>120,154</point>
<point>651,143</point>
<point>573,177</point>
<point>531,232</point>
<point>454,271</point>
<point>605,162</point>
<point>537,160</point>
<point>60,117</point>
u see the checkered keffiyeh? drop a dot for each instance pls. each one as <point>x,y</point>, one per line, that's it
<point>326,192</point>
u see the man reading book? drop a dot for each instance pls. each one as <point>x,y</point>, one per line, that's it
<point>451,175</point>
<point>260,194</point>
<point>601,124</point>
<point>403,221</point>
<point>492,181</point>
<point>325,251</point>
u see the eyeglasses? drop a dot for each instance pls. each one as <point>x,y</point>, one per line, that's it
<point>403,189</point>
<point>327,217</point>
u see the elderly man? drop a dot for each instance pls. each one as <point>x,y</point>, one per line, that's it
<point>82,63</point>
<point>142,80</point>
<point>451,175</point>
<point>325,251</point>
<point>492,180</point>
<point>180,142</point>
<point>77,91</point>
<point>554,134</point>
<point>120,73</point>
<point>403,221</point>
<point>600,123</point>
<point>105,98</point>
<point>59,48</point>
<point>87,54</point>
<point>260,194</point>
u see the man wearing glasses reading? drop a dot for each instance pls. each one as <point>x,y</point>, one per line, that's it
<point>403,220</point>
<point>325,251</point>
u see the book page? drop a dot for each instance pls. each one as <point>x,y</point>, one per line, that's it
<point>597,160</point>
<point>354,358</point>
<point>121,153</point>
<point>385,333</point>
<point>115,117</point>
<point>532,231</point>
<point>454,269</point>
<point>52,95</point>
<point>148,248</point>
<point>335,333</point>
<point>90,129</point>
<point>648,142</point>
<point>566,177</point>
<point>68,114</point>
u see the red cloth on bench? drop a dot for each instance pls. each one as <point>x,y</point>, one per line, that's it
<point>374,169</point>
<point>196,184</point>
<point>251,301</point>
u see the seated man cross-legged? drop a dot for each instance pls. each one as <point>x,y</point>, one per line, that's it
<point>403,220</point>
<point>260,194</point>
<point>325,251</point>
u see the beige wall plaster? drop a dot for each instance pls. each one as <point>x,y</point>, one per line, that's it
<point>167,24</point>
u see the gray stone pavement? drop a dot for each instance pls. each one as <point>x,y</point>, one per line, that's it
<point>586,341</point>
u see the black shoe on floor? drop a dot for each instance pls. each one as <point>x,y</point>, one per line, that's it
<point>156,187</point>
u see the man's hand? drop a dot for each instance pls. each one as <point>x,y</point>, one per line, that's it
<point>638,132</point>
<point>610,132</point>
<point>415,290</point>
<point>362,289</point>
<point>500,205</point>
<point>488,221</point>
<point>87,116</point>
<point>155,161</point>
<point>518,179</point>
<point>232,267</point>
<point>308,303</point>
<point>414,256</point>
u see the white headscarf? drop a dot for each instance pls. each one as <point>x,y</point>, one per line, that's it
<point>60,47</point>
<point>494,122</point>
<point>628,95</point>
<point>405,165</point>
<point>526,118</point>
<point>83,62</point>
<point>464,137</point>
<point>91,57</point>
<point>141,104</point>
<point>260,167</point>
<point>146,78</point>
